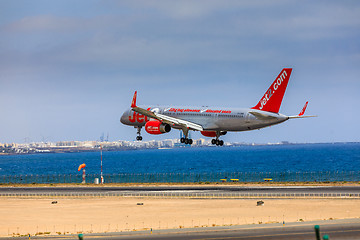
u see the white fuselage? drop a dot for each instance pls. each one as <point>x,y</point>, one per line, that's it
<point>211,119</point>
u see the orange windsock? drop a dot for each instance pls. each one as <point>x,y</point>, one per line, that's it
<point>81,166</point>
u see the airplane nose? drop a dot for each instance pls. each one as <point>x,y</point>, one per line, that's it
<point>123,118</point>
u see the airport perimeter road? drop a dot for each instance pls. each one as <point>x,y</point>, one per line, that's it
<point>336,229</point>
<point>184,189</point>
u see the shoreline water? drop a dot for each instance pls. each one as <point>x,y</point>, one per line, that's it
<point>282,163</point>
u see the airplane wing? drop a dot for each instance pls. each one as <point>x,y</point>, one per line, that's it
<point>176,121</point>
<point>164,118</point>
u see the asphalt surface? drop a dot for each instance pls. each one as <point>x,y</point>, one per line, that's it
<point>192,189</point>
<point>335,229</point>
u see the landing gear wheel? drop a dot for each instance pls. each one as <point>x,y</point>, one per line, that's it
<point>221,142</point>
<point>190,141</point>
<point>139,137</point>
<point>186,141</point>
<point>217,142</point>
<point>182,140</point>
<point>213,141</point>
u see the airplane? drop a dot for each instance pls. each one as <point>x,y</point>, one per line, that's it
<point>212,121</point>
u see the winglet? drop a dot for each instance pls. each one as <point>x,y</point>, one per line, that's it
<point>303,110</point>
<point>133,103</point>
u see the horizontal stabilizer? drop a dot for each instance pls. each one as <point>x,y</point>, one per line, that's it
<point>297,116</point>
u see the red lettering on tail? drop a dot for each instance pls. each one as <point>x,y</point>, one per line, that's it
<point>271,101</point>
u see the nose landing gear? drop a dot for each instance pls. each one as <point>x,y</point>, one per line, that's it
<point>139,137</point>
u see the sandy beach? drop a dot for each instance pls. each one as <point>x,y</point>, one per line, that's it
<point>89,215</point>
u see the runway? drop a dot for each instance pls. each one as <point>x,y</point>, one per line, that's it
<point>342,190</point>
<point>295,231</point>
<point>335,229</point>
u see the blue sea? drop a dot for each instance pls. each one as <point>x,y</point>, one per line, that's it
<point>337,157</point>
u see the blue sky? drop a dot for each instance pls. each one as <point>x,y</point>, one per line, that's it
<point>68,69</point>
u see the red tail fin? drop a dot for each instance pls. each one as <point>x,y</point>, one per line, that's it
<point>271,101</point>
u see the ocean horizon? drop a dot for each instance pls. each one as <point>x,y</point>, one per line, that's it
<point>320,157</point>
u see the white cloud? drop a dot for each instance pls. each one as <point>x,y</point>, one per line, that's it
<point>31,24</point>
<point>163,48</point>
<point>189,9</point>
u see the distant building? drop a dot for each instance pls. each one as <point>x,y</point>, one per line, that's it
<point>67,144</point>
<point>89,144</point>
<point>168,143</point>
<point>200,142</point>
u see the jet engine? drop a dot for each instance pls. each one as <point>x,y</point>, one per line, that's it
<point>157,127</point>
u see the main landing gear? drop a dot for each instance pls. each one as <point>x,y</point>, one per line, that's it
<point>139,137</point>
<point>185,139</point>
<point>216,141</point>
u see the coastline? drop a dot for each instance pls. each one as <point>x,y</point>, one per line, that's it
<point>51,148</point>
